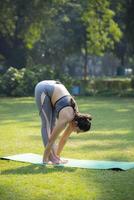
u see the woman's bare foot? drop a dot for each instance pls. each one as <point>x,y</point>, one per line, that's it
<point>54,159</point>
<point>63,161</point>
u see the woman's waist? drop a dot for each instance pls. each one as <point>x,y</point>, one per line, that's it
<point>57,97</point>
<point>62,102</point>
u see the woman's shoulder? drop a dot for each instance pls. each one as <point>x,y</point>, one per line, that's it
<point>66,114</point>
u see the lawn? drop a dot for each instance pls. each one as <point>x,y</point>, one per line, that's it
<point>111,138</point>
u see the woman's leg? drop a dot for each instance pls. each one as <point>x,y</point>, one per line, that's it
<point>45,111</point>
<point>46,118</point>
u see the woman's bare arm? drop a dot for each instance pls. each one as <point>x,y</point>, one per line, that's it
<point>55,133</point>
<point>66,115</point>
<point>64,138</point>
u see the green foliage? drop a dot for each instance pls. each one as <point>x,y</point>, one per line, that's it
<point>132,82</point>
<point>129,31</point>
<point>21,26</point>
<point>43,72</point>
<point>28,83</point>
<point>67,81</point>
<point>8,18</point>
<point>22,82</point>
<point>102,30</point>
<point>110,87</point>
<point>1,89</point>
<point>106,87</point>
<point>111,84</point>
<point>33,35</point>
<point>60,28</point>
<point>10,80</point>
<point>18,82</point>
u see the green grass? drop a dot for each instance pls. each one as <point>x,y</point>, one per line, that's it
<point>111,138</point>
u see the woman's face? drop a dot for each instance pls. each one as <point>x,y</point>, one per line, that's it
<point>76,128</point>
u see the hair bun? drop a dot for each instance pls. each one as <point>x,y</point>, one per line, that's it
<point>88,117</point>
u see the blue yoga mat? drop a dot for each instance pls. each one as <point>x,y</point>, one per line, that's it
<point>88,164</point>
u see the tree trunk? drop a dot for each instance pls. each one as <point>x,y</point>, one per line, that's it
<point>85,74</point>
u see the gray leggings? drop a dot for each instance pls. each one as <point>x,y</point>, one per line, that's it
<point>43,93</point>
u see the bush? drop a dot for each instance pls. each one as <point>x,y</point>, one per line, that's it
<point>29,81</point>
<point>43,72</point>
<point>67,81</point>
<point>105,87</point>
<point>127,93</point>
<point>1,89</point>
<point>10,80</point>
<point>22,82</point>
<point>110,86</point>
<point>132,82</point>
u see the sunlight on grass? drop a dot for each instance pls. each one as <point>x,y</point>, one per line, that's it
<point>111,138</point>
<point>123,110</point>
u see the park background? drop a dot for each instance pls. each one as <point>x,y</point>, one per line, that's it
<point>89,46</point>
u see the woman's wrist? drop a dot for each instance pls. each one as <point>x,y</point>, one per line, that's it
<point>71,126</point>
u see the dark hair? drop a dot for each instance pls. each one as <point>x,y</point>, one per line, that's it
<point>83,121</point>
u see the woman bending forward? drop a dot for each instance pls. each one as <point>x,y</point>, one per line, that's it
<point>58,111</point>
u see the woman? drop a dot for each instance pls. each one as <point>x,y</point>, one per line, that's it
<point>58,111</point>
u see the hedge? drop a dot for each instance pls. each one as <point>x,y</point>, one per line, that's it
<point>107,87</point>
<point>22,82</point>
<point>17,83</point>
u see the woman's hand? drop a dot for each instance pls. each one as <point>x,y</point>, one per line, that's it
<point>54,149</point>
<point>72,126</point>
<point>54,159</point>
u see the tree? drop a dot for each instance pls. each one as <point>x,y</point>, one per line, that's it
<point>85,27</point>
<point>101,31</point>
<point>49,31</point>
<point>21,25</point>
<point>125,18</point>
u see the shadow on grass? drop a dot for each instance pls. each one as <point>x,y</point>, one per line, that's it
<point>37,169</point>
<point>17,110</point>
<point>100,184</point>
<point>96,184</point>
<point>103,147</point>
<point>102,137</point>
